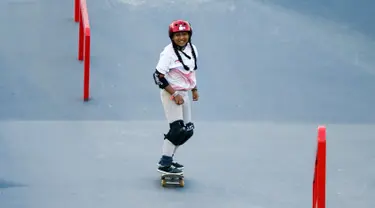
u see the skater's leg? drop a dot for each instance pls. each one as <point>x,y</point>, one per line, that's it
<point>175,149</point>
<point>173,138</point>
<point>186,112</point>
<point>186,109</point>
<point>172,111</point>
<point>168,148</point>
<point>174,115</point>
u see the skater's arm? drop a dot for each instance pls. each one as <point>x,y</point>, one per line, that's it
<point>162,82</point>
<point>170,90</point>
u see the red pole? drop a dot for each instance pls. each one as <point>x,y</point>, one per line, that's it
<point>314,192</point>
<point>80,38</point>
<point>321,174</point>
<point>86,81</point>
<point>76,10</point>
<point>84,39</point>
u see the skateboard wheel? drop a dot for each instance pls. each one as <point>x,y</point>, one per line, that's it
<point>182,183</point>
<point>163,182</point>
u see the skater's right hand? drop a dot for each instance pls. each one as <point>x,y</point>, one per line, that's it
<point>178,100</point>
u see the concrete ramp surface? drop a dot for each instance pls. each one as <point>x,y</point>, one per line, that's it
<point>269,73</point>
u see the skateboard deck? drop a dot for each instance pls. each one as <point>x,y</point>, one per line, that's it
<point>172,179</point>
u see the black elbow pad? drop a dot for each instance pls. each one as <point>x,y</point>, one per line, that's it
<point>160,80</point>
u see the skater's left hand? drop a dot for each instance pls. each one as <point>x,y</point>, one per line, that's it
<point>195,95</point>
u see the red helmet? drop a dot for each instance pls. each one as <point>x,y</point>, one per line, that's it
<point>180,26</point>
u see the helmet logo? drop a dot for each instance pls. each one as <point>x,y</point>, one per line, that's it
<point>181,27</point>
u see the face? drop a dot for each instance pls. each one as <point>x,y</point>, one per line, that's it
<point>180,38</point>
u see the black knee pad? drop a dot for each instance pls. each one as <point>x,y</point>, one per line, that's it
<point>176,132</point>
<point>189,131</point>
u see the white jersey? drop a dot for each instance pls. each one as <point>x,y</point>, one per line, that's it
<point>174,72</point>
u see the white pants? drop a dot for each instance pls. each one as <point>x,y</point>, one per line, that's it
<point>173,111</point>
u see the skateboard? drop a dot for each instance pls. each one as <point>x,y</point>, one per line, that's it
<point>172,179</point>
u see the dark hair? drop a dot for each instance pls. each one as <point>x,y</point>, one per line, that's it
<point>176,48</point>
